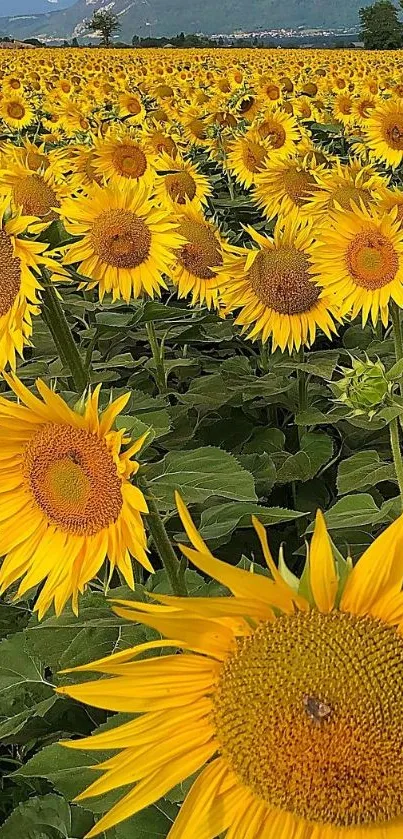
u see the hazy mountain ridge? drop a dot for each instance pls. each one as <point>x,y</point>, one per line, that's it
<point>167,17</point>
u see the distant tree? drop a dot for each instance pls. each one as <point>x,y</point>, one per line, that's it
<point>75,43</point>
<point>381,28</point>
<point>105,24</point>
<point>135,41</point>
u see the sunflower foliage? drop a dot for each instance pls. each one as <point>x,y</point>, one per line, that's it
<point>202,283</point>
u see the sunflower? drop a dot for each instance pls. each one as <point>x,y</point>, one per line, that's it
<point>281,132</point>
<point>343,108</point>
<point>122,158</point>
<point>286,185</point>
<point>127,243</point>
<point>160,143</point>
<point>35,193</point>
<point>20,263</point>
<point>132,107</point>
<point>388,199</point>
<point>81,160</point>
<point>344,184</point>
<point>16,111</point>
<point>363,107</point>
<point>246,157</point>
<point>360,261</point>
<point>203,263</point>
<point>179,182</point>
<point>285,699</point>
<point>384,132</point>
<point>274,286</point>
<point>67,504</point>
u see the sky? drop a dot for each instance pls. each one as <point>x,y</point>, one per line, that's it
<point>30,7</point>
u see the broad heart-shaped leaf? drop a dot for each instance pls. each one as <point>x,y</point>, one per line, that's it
<point>23,689</point>
<point>363,470</point>
<point>265,440</point>
<point>219,522</point>
<point>42,817</point>
<point>70,772</point>
<point>152,823</point>
<point>199,474</point>
<point>321,364</point>
<point>316,451</point>
<point>313,416</point>
<point>351,511</point>
<point>68,641</point>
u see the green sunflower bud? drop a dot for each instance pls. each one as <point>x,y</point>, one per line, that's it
<point>364,387</point>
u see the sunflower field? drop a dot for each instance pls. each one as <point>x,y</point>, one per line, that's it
<point>201,425</point>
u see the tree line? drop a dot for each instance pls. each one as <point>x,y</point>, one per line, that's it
<point>380,29</point>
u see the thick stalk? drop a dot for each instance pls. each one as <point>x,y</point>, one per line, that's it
<point>397,455</point>
<point>158,358</point>
<point>302,389</point>
<point>163,544</point>
<point>397,334</point>
<point>55,319</point>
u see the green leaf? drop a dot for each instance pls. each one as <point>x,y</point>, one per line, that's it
<point>39,818</point>
<point>321,364</point>
<point>70,771</point>
<point>313,416</point>
<point>222,520</point>
<point>69,641</point>
<point>266,440</point>
<point>319,448</point>
<point>151,823</point>
<point>200,474</point>
<point>351,511</point>
<point>292,467</point>
<point>316,451</point>
<point>363,470</point>
<point>395,372</point>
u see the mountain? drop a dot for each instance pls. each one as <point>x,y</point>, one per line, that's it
<point>168,17</point>
<point>32,7</point>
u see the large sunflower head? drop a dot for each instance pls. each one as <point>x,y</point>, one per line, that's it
<point>121,157</point>
<point>21,260</point>
<point>286,185</point>
<point>286,699</point>
<point>201,265</point>
<point>15,111</point>
<point>360,261</point>
<point>179,182</point>
<point>68,503</point>
<point>346,184</point>
<point>247,156</point>
<point>126,243</point>
<point>384,132</point>
<point>280,131</point>
<point>276,290</point>
<point>35,193</point>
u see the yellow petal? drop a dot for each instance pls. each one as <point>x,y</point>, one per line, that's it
<point>377,573</point>
<point>323,577</point>
<point>153,787</point>
<point>208,808</point>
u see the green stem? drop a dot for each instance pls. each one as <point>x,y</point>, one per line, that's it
<point>397,455</point>
<point>55,319</point>
<point>163,544</point>
<point>158,357</point>
<point>302,390</point>
<point>397,334</point>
